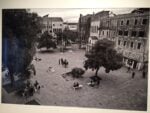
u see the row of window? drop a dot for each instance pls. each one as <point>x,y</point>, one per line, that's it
<point>133,33</point>
<point>131,44</point>
<point>103,33</point>
<point>50,26</point>
<point>127,22</point>
<point>94,29</point>
<point>57,25</point>
<point>57,30</point>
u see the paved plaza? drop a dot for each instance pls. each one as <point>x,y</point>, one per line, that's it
<point>117,89</point>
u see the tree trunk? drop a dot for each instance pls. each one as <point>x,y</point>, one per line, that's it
<point>96,71</point>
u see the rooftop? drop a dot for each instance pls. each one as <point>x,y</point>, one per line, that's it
<point>54,19</point>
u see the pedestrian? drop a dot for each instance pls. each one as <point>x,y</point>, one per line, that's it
<point>62,61</point>
<point>133,74</point>
<point>144,74</point>
<point>59,61</point>
<point>32,68</point>
<point>36,84</point>
<point>65,63</point>
<point>128,69</point>
<point>49,69</point>
<point>31,91</point>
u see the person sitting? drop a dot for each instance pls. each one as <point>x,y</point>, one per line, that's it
<point>36,84</point>
<point>37,59</point>
<point>91,83</point>
<point>76,85</point>
<point>28,84</point>
<point>51,69</point>
<point>31,91</point>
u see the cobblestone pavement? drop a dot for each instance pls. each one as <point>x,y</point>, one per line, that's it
<point>117,89</point>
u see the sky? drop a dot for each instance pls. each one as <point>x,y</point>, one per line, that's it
<point>72,14</point>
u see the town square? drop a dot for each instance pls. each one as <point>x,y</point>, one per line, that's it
<point>100,61</point>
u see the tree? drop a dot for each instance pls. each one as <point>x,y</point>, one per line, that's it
<point>67,36</point>
<point>104,55</point>
<point>19,32</point>
<point>47,41</point>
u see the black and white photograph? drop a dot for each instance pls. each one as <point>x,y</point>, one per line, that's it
<point>76,57</point>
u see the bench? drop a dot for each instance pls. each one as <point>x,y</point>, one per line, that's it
<point>78,87</point>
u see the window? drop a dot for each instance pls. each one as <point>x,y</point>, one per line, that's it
<point>125,33</point>
<point>122,22</point>
<point>131,45</point>
<point>118,42</point>
<point>144,22</point>
<point>133,33</point>
<point>90,41</point>
<point>114,33</point>
<point>139,46</point>
<point>125,43</point>
<point>141,33</point>
<point>135,22</point>
<point>96,28</point>
<point>120,32</point>
<point>107,33</point>
<point>127,22</point>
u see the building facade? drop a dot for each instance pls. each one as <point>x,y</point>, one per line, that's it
<point>130,32</point>
<point>132,38</point>
<point>70,26</point>
<point>52,25</point>
<point>100,28</point>
<point>84,28</point>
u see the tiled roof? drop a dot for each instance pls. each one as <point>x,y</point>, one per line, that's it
<point>54,19</point>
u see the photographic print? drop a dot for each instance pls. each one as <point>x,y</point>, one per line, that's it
<point>76,57</point>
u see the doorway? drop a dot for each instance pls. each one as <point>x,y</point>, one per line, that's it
<point>135,64</point>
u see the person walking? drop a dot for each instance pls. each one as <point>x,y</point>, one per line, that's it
<point>62,61</point>
<point>128,69</point>
<point>133,74</point>
<point>59,61</point>
<point>144,74</point>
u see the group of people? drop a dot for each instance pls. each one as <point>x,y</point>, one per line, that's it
<point>133,73</point>
<point>37,59</point>
<point>30,89</point>
<point>92,83</point>
<point>63,62</point>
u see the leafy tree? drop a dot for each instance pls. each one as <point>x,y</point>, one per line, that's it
<point>47,41</point>
<point>19,30</point>
<point>67,36</point>
<point>104,55</point>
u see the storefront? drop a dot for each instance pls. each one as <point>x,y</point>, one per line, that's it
<point>133,64</point>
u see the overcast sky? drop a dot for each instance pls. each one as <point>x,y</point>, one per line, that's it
<point>72,15</point>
